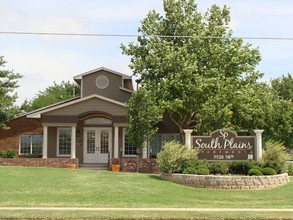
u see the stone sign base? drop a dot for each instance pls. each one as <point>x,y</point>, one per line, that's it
<point>228,182</point>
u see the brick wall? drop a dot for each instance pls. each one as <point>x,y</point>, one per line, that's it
<point>9,139</point>
<point>39,162</point>
<point>130,165</point>
<point>228,182</point>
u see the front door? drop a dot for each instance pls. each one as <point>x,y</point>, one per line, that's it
<point>97,142</point>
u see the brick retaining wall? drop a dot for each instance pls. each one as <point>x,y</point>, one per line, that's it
<point>129,165</point>
<point>228,182</point>
<point>39,162</point>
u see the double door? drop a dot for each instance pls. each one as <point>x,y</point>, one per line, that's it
<point>97,143</point>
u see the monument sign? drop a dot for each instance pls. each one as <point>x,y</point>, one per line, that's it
<point>223,144</point>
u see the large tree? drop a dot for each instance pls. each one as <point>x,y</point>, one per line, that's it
<point>191,60</point>
<point>51,95</point>
<point>142,116</point>
<point>8,84</point>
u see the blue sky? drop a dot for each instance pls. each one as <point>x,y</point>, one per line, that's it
<point>45,59</point>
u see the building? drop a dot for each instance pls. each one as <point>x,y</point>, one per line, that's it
<point>90,128</point>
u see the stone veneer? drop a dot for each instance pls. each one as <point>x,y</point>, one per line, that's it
<point>39,162</point>
<point>228,182</point>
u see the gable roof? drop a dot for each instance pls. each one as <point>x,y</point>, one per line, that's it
<point>38,113</point>
<point>78,78</point>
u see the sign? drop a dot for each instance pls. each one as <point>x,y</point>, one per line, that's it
<point>225,145</point>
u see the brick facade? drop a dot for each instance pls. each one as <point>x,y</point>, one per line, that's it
<point>228,182</point>
<point>130,165</point>
<point>9,139</point>
<point>39,162</point>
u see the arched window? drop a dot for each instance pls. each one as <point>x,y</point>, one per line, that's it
<point>98,121</point>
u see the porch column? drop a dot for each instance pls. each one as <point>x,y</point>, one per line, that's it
<point>258,144</point>
<point>45,141</point>
<point>73,142</point>
<point>145,150</point>
<point>116,138</point>
<point>188,137</point>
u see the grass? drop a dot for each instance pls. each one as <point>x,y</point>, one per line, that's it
<point>45,187</point>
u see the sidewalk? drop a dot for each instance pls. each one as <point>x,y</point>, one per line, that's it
<point>147,209</point>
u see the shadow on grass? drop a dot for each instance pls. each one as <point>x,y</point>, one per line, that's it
<point>155,177</point>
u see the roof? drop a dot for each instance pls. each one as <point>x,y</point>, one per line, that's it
<point>49,106</point>
<point>78,78</point>
<point>38,113</point>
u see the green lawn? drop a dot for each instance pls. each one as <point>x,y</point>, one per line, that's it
<point>44,187</point>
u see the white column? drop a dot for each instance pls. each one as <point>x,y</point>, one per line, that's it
<point>258,144</point>
<point>145,150</point>
<point>73,142</point>
<point>116,138</point>
<point>45,141</point>
<point>188,137</point>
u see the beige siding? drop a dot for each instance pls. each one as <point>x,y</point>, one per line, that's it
<point>113,90</point>
<point>89,105</point>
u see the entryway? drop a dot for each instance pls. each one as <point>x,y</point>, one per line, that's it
<point>97,142</point>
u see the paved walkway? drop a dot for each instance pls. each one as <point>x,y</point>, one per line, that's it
<point>147,209</point>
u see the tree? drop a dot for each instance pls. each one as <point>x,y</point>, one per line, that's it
<point>51,95</point>
<point>194,64</point>
<point>281,124</point>
<point>283,86</point>
<point>142,116</point>
<point>8,83</point>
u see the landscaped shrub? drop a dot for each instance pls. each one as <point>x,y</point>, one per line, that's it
<point>7,153</point>
<point>275,156</point>
<point>290,169</point>
<point>219,168</point>
<point>202,170</point>
<point>268,171</point>
<point>242,167</point>
<point>199,167</point>
<point>255,172</point>
<point>173,155</point>
<point>189,170</point>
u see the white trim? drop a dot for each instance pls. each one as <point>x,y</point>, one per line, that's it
<point>58,133</point>
<point>73,142</point>
<point>38,114</point>
<point>123,145</point>
<point>77,77</point>
<point>51,124</point>
<point>45,141</point>
<point>126,90</point>
<point>116,141</point>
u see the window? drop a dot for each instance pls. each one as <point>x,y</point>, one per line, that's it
<point>128,149</point>
<point>64,142</point>
<point>98,121</point>
<point>159,140</point>
<point>31,144</point>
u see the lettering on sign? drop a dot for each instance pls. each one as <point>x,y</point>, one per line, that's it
<point>225,145</point>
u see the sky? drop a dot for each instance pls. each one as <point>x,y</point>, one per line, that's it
<point>43,60</point>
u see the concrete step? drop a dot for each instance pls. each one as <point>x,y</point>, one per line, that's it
<point>91,166</point>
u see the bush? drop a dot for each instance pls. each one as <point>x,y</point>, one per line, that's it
<point>202,170</point>
<point>171,158</point>
<point>255,172</point>
<point>275,156</point>
<point>7,153</point>
<point>189,170</point>
<point>268,171</point>
<point>219,168</point>
<point>290,169</point>
<point>199,167</point>
<point>242,167</point>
